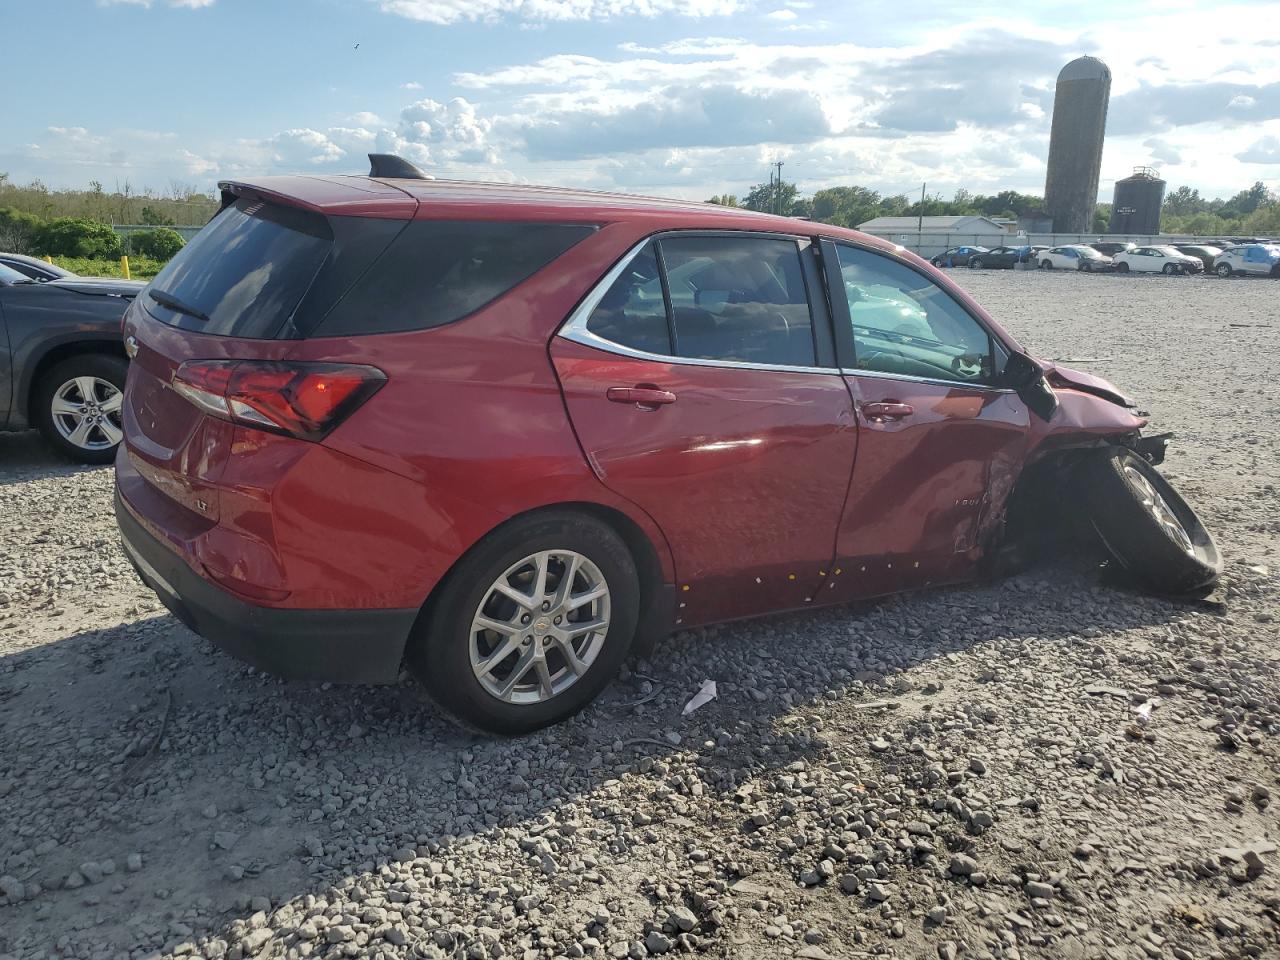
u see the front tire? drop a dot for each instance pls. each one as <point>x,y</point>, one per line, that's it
<point>1046,264</point>
<point>1223,269</point>
<point>1146,526</point>
<point>530,625</point>
<point>975,264</point>
<point>77,405</point>
<point>1170,270</point>
<point>1122,268</point>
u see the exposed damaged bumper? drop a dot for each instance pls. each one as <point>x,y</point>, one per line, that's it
<point>1152,448</point>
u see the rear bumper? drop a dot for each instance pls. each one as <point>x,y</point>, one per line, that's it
<point>341,646</point>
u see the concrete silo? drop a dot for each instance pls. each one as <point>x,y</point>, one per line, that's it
<point>1075,145</point>
<point>1137,203</point>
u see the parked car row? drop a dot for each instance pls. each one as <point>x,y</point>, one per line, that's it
<point>1259,258</point>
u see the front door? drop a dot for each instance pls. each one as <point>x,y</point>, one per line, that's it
<point>939,443</point>
<point>701,382</point>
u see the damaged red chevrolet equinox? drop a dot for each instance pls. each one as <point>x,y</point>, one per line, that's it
<point>508,435</point>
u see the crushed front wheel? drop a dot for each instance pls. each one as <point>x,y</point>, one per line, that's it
<point>1146,526</point>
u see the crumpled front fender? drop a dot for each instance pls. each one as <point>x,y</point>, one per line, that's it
<point>1067,378</point>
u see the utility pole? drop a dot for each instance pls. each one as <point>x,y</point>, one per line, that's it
<point>778,190</point>
<point>920,221</point>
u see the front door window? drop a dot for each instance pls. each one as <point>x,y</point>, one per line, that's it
<point>903,323</point>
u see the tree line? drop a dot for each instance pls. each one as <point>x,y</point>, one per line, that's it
<point>182,204</point>
<point>1255,210</point>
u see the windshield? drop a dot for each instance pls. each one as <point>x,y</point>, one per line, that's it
<point>1088,252</point>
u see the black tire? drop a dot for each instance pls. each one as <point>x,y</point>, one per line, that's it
<point>975,264</point>
<point>1170,270</point>
<point>1122,267</point>
<point>1223,269</point>
<point>1124,520</point>
<point>937,263</point>
<point>1046,264</point>
<point>439,650</point>
<point>101,366</point>
<point>1085,267</point>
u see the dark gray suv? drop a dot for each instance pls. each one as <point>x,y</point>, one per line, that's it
<point>62,363</point>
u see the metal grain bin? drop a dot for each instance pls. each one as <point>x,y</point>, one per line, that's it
<point>1137,203</point>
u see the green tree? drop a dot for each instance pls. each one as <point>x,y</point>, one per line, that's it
<point>1247,201</point>
<point>846,206</point>
<point>776,197</point>
<point>725,200</point>
<point>78,237</point>
<point>1184,201</point>
<point>159,244</point>
<point>18,230</point>
<point>156,218</point>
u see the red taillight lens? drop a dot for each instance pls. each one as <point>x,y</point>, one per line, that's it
<point>306,400</point>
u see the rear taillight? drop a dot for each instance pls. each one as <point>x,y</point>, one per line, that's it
<point>305,400</point>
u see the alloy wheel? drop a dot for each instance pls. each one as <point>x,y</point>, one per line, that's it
<point>1156,505</point>
<point>539,627</point>
<point>86,413</point>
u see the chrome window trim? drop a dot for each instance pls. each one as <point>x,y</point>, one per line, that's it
<point>939,382</point>
<point>575,328</point>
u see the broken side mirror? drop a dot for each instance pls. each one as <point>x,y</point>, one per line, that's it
<point>1024,375</point>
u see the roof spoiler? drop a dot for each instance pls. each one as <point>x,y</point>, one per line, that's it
<point>390,166</point>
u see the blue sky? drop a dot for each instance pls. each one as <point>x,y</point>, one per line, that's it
<point>676,97</point>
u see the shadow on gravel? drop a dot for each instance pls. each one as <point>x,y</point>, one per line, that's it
<point>143,740</point>
<point>26,456</point>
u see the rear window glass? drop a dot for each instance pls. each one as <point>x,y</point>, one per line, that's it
<point>438,271</point>
<point>245,271</point>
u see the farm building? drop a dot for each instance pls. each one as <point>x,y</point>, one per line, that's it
<point>967,226</point>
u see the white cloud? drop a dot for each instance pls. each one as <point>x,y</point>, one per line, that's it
<point>411,85</point>
<point>441,135</point>
<point>1266,150</point>
<point>456,11</point>
<point>783,16</point>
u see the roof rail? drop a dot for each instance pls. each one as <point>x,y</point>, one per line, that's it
<point>393,167</point>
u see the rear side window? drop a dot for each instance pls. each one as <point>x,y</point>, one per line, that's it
<point>632,311</point>
<point>739,298</point>
<point>245,271</point>
<point>438,271</point>
<point>725,298</point>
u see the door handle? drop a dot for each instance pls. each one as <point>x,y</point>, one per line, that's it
<point>643,395</point>
<point>887,410</point>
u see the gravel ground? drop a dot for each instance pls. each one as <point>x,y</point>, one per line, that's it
<point>954,774</point>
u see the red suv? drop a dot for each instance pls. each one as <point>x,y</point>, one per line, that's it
<point>509,433</point>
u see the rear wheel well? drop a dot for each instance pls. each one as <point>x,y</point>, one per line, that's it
<point>65,351</point>
<point>657,599</point>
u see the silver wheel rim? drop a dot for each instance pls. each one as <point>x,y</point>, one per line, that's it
<point>86,413</point>
<point>1155,505</point>
<point>540,627</point>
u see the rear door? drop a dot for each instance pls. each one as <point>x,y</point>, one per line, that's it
<point>700,378</point>
<point>939,442</point>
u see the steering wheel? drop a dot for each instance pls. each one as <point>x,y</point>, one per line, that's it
<point>967,365</point>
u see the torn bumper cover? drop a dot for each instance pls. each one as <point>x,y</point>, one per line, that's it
<point>1152,448</point>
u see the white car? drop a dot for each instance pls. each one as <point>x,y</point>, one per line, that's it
<point>1262,258</point>
<point>1074,256</point>
<point>1156,260</point>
